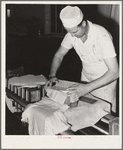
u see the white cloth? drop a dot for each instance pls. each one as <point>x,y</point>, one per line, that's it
<point>71,16</point>
<point>45,117</point>
<point>92,53</point>
<point>56,95</point>
<point>86,114</point>
<point>60,96</point>
<point>49,118</point>
<point>28,80</point>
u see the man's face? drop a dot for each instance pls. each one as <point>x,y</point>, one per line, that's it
<point>77,31</point>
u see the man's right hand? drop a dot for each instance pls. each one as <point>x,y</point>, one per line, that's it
<point>51,82</point>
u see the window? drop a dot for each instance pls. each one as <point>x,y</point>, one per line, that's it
<point>56,24</point>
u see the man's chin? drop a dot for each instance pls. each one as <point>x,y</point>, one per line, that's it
<point>79,37</point>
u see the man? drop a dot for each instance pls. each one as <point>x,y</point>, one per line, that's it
<point>95,48</point>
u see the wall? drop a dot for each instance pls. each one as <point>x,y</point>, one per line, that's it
<point>105,15</point>
<point>109,18</point>
<point>28,11</point>
<point>116,26</point>
<point>115,13</point>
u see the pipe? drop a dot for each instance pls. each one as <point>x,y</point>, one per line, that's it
<point>16,98</point>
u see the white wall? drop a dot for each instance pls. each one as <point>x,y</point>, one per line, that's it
<point>115,13</point>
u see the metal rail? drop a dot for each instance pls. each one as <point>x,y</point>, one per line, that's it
<point>16,98</point>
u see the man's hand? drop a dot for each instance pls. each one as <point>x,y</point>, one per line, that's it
<point>78,90</point>
<point>51,82</point>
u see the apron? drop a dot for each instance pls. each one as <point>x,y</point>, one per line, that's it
<point>93,68</point>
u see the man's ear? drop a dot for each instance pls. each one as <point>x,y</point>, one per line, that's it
<point>84,23</point>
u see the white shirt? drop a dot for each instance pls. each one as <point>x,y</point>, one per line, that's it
<point>93,51</point>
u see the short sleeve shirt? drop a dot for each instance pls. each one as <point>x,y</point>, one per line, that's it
<point>99,42</point>
<point>93,51</point>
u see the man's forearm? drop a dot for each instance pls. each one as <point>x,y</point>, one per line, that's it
<point>55,65</point>
<point>107,78</point>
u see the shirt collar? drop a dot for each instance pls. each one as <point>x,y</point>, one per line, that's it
<point>90,28</point>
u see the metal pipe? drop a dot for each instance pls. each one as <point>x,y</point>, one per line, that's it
<point>16,98</point>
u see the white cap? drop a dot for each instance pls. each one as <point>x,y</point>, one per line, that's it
<point>71,16</point>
